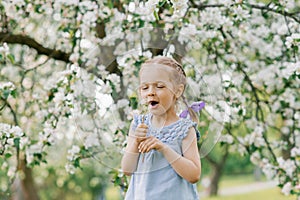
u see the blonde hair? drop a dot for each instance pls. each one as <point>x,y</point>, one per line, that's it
<point>178,77</point>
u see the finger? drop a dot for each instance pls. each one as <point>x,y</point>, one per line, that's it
<point>140,139</point>
<point>141,132</point>
<point>142,126</point>
<point>147,145</point>
<point>151,145</point>
<point>156,144</point>
<point>143,146</point>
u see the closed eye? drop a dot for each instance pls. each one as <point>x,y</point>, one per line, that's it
<point>160,85</point>
<point>144,87</point>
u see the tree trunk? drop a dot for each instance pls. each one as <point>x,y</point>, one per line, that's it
<point>286,153</point>
<point>215,179</point>
<point>24,188</point>
<point>217,172</point>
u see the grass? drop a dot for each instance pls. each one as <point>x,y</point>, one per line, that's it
<point>236,180</point>
<point>272,194</point>
<point>113,193</point>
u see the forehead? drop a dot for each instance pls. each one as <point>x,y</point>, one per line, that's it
<point>155,73</point>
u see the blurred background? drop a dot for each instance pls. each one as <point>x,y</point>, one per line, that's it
<point>68,92</point>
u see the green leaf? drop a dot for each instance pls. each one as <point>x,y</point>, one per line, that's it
<point>6,93</point>
<point>8,155</point>
<point>161,3</point>
<point>13,93</point>
<point>11,58</point>
<point>141,23</point>
<point>77,163</point>
<point>38,155</point>
<point>37,8</point>
<point>17,142</point>
<point>156,15</point>
<point>133,102</point>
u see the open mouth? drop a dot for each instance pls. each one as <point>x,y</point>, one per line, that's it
<point>153,103</point>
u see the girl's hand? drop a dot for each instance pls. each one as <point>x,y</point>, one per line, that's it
<point>150,143</point>
<point>140,132</point>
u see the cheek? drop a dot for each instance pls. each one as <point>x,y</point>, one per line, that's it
<point>167,95</point>
<point>142,94</point>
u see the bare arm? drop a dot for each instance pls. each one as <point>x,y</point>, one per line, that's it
<point>131,154</point>
<point>187,166</point>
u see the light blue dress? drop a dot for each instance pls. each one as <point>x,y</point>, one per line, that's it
<point>154,178</point>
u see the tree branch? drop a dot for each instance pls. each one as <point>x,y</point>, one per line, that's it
<point>202,6</point>
<point>12,111</point>
<point>25,40</point>
<point>281,12</point>
<point>291,15</point>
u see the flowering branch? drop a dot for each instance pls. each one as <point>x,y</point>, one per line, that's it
<point>26,40</point>
<point>292,15</point>
<point>278,11</point>
<point>11,109</point>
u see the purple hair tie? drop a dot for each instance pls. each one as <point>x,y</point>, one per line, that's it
<point>196,106</point>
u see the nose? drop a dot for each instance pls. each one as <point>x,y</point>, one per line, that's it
<point>151,91</point>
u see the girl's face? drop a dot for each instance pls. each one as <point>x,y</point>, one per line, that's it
<point>157,89</point>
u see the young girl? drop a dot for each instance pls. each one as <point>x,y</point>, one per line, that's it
<point>161,152</point>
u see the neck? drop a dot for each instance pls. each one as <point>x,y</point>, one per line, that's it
<point>164,119</point>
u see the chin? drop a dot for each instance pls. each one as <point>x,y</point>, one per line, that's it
<point>157,112</point>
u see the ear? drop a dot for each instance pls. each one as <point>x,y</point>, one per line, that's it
<point>179,91</point>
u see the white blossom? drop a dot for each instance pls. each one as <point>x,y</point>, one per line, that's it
<point>131,7</point>
<point>241,149</point>
<point>29,157</point>
<point>286,189</point>
<point>16,131</point>
<point>24,141</point>
<point>295,152</point>
<point>226,138</point>
<point>74,57</point>
<point>256,137</point>
<point>268,169</point>
<point>292,40</point>
<point>255,158</point>
<point>75,150</point>
<point>7,85</point>
<point>287,165</point>
<point>122,103</point>
<point>70,168</point>
<point>114,78</point>
<point>147,8</point>
<point>106,88</point>
<point>289,69</point>
<point>11,171</point>
<point>241,13</point>
<point>91,140</point>
<point>4,49</point>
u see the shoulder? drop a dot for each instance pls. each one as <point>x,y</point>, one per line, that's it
<point>189,126</point>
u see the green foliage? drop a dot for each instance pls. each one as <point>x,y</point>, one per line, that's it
<point>82,185</point>
<point>273,194</point>
<point>237,164</point>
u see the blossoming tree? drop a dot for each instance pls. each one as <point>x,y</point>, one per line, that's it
<point>68,80</point>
